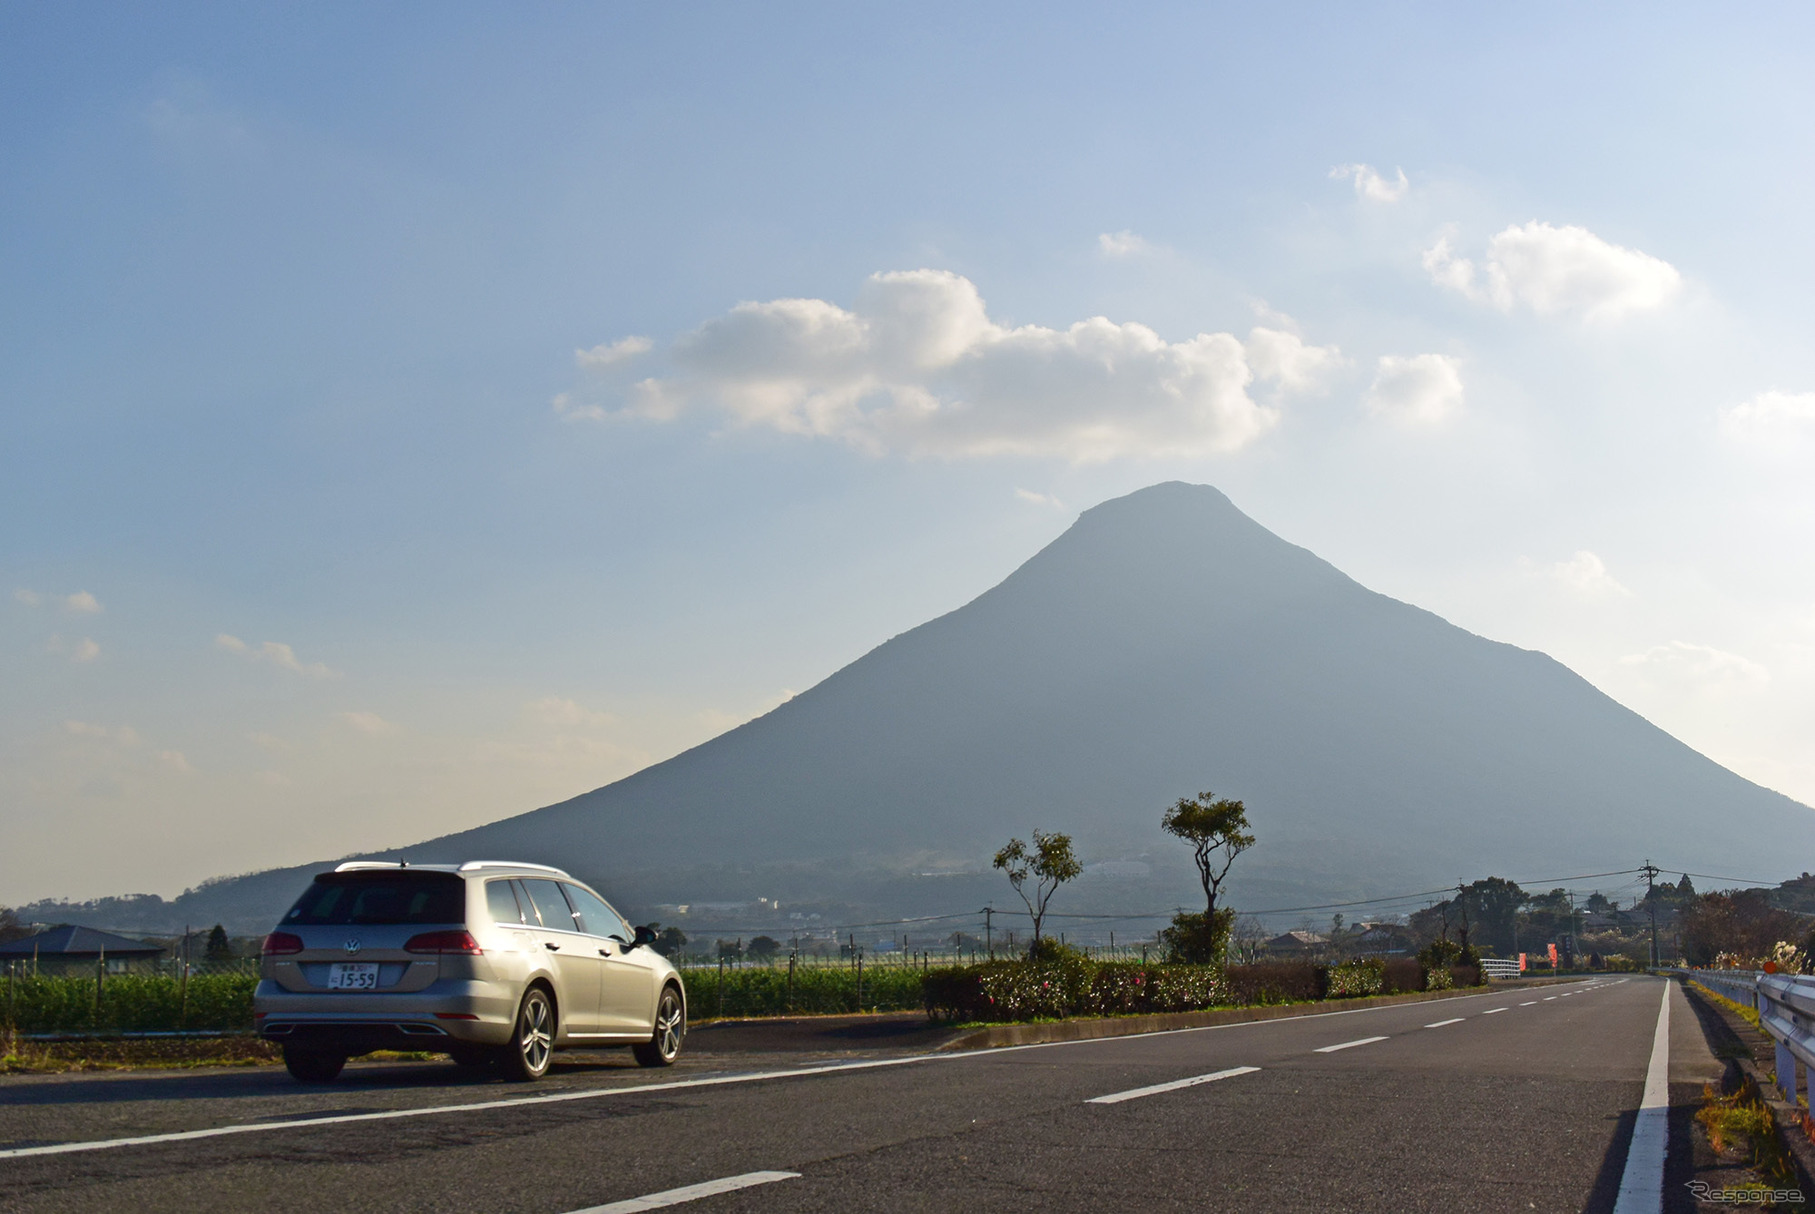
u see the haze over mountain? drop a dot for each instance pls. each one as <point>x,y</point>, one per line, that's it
<point>1165,644</point>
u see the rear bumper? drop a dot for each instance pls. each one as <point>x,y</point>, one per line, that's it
<point>439,1016</point>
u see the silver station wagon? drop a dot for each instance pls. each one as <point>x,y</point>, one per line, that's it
<point>492,963</point>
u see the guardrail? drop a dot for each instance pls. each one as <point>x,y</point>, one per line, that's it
<point>1499,967</point>
<point>1785,1004</point>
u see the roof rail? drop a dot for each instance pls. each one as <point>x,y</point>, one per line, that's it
<point>353,865</point>
<point>470,865</point>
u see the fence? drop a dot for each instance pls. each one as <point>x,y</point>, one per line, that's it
<point>1785,1004</point>
<point>1499,967</point>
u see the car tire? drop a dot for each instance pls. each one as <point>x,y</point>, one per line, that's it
<point>313,1066</point>
<point>664,1044</point>
<point>532,1037</point>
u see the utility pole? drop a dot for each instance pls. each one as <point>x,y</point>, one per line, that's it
<point>989,938</point>
<point>1650,871</point>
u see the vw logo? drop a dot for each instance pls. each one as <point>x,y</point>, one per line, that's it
<point>352,945</point>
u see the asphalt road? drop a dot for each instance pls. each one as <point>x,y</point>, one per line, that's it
<point>1511,1100</point>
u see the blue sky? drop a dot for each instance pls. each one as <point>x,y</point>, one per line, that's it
<point>322,533</point>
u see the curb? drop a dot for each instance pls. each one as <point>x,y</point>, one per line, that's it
<point>999,1035</point>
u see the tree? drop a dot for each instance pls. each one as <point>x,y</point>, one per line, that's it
<point>1598,904</point>
<point>763,948</point>
<point>219,947</point>
<point>1490,906</point>
<point>10,927</point>
<point>1217,831</point>
<point>731,950</point>
<point>669,941</point>
<point>1050,862</point>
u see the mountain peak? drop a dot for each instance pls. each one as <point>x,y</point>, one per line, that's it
<point>1165,644</point>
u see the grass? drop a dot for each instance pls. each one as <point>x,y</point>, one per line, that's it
<point>1745,1013</point>
<point>816,990</point>
<point>1740,1124</point>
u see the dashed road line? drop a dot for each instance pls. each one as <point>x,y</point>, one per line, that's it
<point>1441,1023</point>
<point>1175,1085</point>
<point>692,1192</point>
<point>1347,1045</point>
<point>1490,1011</point>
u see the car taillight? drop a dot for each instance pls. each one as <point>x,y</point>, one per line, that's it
<point>443,942</point>
<point>279,943</point>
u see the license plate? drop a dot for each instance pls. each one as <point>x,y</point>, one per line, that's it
<point>343,976</point>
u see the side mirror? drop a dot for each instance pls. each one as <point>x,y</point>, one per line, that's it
<point>645,935</point>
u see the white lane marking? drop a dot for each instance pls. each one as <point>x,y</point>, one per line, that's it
<point>1529,1003</point>
<point>1175,1085</point>
<point>1441,1023</point>
<point>1490,1011</point>
<point>1548,998</point>
<point>1642,1183</point>
<point>1331,1049</point>
<point>64,1148</point>
<point>692,1192</point>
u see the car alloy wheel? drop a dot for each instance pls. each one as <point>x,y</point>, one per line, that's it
<point>533,1040</point>
<point>664,1044</point>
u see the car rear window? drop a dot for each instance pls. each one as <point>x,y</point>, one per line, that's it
<point>384,897</point>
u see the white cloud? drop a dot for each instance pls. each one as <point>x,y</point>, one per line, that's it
<point>30,598</point>
<point>125,735</point>
<point>1122,244</point>
<point>85,651</point>
<point>173,760</point>
<point>611,353</point>
<point>369,723</point>
<point>278,654</point>
<point>1422,389</point>
<point>1776,424</point>
<point>1585,574</point>
<point>1282,356</point>
<point>1553,269</point>
<point>1370,184</point>
<point>917,366</point>
<point>1701,665</point>
<point>554,710</point>
<point>82,603</point>
<point>1039,499</point>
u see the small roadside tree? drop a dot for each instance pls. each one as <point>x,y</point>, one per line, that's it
<point>1050,862</point>
<point>669,941</point>
<point>763,948</point>
<point>1217,830</point>
<point>219,947</point>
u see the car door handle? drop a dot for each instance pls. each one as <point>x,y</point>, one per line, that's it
<point>551,946</point>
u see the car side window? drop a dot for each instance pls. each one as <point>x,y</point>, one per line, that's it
<point>501,901</point>
<point>596,917</point>
<point>552,903</point>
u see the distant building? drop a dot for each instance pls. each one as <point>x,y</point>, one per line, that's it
<point>1383,940</point>
<point>76,951</point>
<point>1290,944</point>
